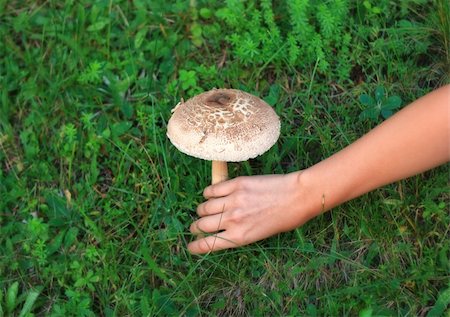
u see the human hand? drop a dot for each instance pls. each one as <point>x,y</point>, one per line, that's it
<point>247,209</point>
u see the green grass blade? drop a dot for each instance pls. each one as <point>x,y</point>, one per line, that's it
<point>442,303</point>
<point>29,302</point>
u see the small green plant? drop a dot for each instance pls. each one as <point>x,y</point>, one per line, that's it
<point>69,143</point>
<point>15,304</point>
<point>379,104</point>
<point>370,8</point>
<point>92,74</point>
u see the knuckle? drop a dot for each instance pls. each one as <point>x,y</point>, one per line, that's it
<point>235,216</point>
<point>239,199</point>
<point>240,182</point>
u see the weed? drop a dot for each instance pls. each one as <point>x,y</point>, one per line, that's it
<point>378,105</point>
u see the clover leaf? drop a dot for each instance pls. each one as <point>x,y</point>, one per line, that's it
<point>378,105</point>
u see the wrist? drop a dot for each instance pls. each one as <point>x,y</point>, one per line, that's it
<point>324,186</point>
<point>311,201</point>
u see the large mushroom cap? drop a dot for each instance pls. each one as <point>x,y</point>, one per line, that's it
<point>223,125</point>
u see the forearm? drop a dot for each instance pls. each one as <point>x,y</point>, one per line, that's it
<point>412,141</point>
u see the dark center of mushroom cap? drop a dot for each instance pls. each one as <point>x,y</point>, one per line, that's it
<point>220,99</point>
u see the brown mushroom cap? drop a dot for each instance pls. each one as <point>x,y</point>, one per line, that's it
<point>223,125</point>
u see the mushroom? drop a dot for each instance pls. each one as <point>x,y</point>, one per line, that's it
<point>223,125</point>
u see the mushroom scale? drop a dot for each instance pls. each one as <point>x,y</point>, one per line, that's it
<point>223,125</point>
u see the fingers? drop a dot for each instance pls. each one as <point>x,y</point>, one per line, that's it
<point>213,206</point>
<point>216,242</point>
<point>208,224</point>
<point>222,189</point>
<point>216,214</point>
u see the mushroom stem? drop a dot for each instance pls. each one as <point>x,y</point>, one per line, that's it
<point>219,172</point>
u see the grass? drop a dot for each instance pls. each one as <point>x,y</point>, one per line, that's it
<point>95,203</point>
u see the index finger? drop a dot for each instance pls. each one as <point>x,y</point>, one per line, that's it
<point>220,189</point>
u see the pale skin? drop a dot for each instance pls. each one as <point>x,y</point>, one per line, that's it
<point>248,209</point>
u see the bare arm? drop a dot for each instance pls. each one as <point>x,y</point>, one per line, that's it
<point>414,140</point>
<point>248,209</point>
